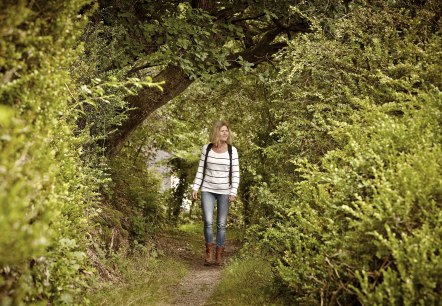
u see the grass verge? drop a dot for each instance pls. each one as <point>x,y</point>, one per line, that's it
<point>145,281</point>
<point>246,281</point>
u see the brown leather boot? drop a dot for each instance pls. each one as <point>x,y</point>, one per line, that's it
<point>209,254</point>
<point>219,256</point>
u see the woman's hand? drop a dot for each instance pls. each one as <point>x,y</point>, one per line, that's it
<point>194,194</point>
<point>232,198</point>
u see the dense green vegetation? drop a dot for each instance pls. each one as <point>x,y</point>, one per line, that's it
<point>46,190</point>
<point>337,113</point>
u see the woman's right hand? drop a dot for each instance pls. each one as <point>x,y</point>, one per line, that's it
<point>194,194</point>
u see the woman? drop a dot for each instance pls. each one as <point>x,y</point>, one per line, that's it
<point>218,177</point>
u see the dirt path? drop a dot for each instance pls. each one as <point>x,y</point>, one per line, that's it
<point>198,285</point>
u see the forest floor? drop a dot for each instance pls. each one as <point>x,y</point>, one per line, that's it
<point>176,275</point>
<point>169,270</point>
<point>197,287</point>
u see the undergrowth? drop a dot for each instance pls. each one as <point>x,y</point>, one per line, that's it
<point>144,281</point>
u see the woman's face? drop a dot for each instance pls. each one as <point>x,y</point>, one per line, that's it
<point>223,133</point>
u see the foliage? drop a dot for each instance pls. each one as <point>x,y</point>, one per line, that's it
<point>46,190</point>
<point>363,212</point>
<point>136,190</point>
<point>367,187</point>
<point>199,37</point>
<point>101,102</point>
<point>174,135</point>
<point>183,169</point>
<point>55,111</point>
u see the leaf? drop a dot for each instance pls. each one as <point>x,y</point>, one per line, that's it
<point>6,115</point>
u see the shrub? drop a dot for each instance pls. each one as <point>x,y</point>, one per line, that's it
<point>46,190</point>
<point>359,220</point>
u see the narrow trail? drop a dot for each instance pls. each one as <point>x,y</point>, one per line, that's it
<point>198,285</point>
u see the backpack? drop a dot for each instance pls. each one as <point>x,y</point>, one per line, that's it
<point>209,147</point>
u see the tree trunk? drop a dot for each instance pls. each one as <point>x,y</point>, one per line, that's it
<point>146,101</point>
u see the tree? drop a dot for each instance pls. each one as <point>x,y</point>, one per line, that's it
<point>180,41</point>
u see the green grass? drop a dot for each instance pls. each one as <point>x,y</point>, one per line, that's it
<point>246,281</point>
<point>145,279</point>
<point>145,282</point>
<point>196,229</point>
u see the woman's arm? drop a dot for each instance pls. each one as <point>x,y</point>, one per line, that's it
<point>235,173</point>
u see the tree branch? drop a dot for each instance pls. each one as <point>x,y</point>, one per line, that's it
<point>176,80</point>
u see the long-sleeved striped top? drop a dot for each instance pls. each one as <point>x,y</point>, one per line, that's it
<point>216,179</point>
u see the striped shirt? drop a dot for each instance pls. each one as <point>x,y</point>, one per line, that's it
<point>216,179</point>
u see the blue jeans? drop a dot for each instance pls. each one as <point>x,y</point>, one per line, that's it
<point>207,203</point>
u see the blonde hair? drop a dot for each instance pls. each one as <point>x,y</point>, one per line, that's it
<point>214,135</point>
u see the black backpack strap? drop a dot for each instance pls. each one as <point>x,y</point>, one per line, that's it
<point>229,148</point>
<point>209,147</point>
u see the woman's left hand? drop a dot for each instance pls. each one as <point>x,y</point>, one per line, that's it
<point>232,198</point>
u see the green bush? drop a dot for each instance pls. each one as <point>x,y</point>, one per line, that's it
<point>359,220</point>
<point>46,190</point>
<point>136,193</point>
<point>367,222</point>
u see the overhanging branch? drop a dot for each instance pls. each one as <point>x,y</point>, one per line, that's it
<point>176,80</point>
